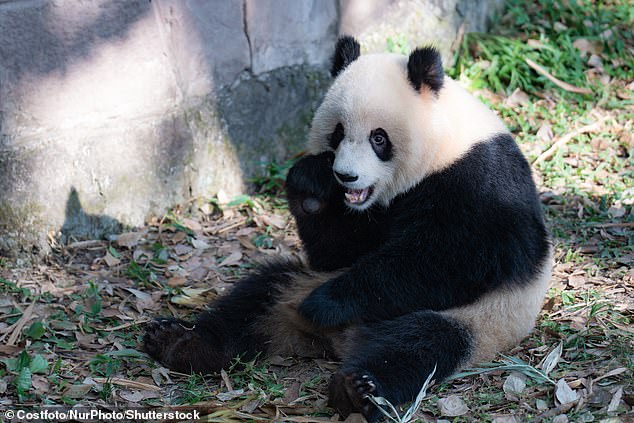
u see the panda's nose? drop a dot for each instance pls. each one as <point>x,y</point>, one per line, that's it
<point>346,177</point>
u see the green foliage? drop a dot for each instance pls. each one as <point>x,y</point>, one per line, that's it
<point>8,287</point>
<point>194,390</point>
<point>92,300</point>
<point>545,33</point>
<point>243,200</point>
<point>23,367</point>
<point>161,253</point>
<point>36,330</point>
<point>398,44</point>
<point>274,177</point>
<point>138,272</point>
<point>263,241</point>
<point>105,365</point>
<point>257,377</point>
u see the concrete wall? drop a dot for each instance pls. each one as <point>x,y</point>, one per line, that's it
<point>113,110</point>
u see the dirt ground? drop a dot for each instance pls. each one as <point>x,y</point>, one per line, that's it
<point>79,316</point>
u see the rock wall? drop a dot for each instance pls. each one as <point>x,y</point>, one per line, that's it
<point>114,110</point>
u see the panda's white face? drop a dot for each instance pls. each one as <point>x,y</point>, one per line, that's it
<point>387,135</point>
<point>362,164</point>
<point>369,118</point>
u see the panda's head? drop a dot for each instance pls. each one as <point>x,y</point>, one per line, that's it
<point>379,117</point>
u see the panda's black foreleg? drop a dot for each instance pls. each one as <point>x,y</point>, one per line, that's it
<point>393,358</point>
<point>227,330</point>
<point>333,236</point>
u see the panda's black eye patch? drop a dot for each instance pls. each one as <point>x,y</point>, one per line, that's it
<point>335,138</point>
<point>381,144</point>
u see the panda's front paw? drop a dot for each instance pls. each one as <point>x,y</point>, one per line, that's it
<point>310,183</point>
<point>324,310</point>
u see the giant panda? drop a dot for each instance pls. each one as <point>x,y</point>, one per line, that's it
<point>424,233</point>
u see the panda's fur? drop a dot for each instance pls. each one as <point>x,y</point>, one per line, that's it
<point>424,233</point>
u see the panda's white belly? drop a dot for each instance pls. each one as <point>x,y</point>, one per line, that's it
<point>501,319</point>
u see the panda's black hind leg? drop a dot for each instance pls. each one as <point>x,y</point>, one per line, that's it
<point>229,329</point>
<point>393,358</point>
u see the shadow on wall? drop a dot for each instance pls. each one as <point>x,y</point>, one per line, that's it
<point>89,104</point>
<point>80,225</point>
<point>53,43</point>
<point>132,106</point>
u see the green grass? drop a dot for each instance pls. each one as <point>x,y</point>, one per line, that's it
<point>545,32</point>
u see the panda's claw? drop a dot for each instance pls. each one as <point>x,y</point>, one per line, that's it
<point>351,391</point>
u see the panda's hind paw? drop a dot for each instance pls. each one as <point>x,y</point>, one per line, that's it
<point>362,386</point>
<point>350,392</point>
<point>171,342</point>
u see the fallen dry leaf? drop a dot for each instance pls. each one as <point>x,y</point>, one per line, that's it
<point>199,244</point>
<point>564,393</point>
<point>355,418</point>
<point>192,224</point>
<point>182,249</point>
<point>129,239</point>
<point>611,373</point>
<point>111,260</point>
<point>193,297</point>
<point>232,260</point>
<point>595,61</point>
<point>576,281</point>
<point>452,406</point>
<point>138,396</point>
<point>77,391</point>
<point>550,361</point>
<point>586,46</point>
<point>616,399</point>
<point>226,396</point>
<point>517,98</point>
<point>144,301</point>
<point>545,132</point>
<point>514,384</point>
<point>176,281</point>
<point>40,384</point>
<point>274,220</point>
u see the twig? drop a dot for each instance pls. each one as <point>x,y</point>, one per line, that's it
<point>593,127</point>
<point>127,383</point>
<point>86,244</point>
<point>561,84</point>
<point>19,325</point>
<point>126,325</point>
<point>223,228</point>
<point>615,225</point>
<point>458,40</point>
<point>8,316</point>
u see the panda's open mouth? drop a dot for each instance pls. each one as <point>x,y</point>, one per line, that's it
<point>358,196</point>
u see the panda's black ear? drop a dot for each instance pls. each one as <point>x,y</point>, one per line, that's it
<point>424,68</point>
<point>346,51</point>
